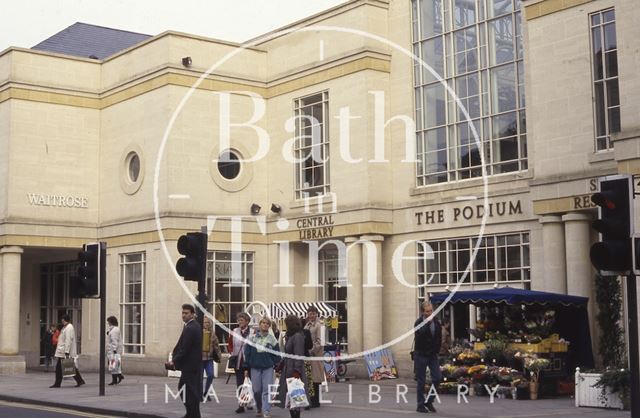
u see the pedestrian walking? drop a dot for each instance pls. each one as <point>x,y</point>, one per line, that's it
<point>317,367</point>
<point>48,347</point>
<point>292,367</point>
<point>237,340</point>
<point>187,357</point>
<point>114,350</point>
<point>428,340</point>
<point>261,364</point>
<point>210,353</point>
<point>66,348</point>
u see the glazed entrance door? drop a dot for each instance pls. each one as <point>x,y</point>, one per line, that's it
<point>55,301</point>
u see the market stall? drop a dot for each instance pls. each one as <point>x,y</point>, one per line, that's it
<point>521,337</point>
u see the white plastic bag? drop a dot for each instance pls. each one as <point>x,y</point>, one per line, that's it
<point>273,391</point>
<point>245,394</point>
<point>114,363</point>
<point>296,395</point>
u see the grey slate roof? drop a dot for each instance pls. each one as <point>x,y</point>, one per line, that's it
<point>90,41</point>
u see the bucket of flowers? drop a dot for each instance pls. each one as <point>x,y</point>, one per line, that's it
<point>533,365</point>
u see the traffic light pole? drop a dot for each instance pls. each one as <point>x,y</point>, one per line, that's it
<point>103,317</point>
<point>632,326</point>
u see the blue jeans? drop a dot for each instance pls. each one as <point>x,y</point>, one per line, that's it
<point>421,364</point>
<point>207,365</point>
<point>260,380</point>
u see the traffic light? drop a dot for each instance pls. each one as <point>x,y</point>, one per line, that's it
<point>615,224</point>
<point>193,265</point>
<point>91,270</point>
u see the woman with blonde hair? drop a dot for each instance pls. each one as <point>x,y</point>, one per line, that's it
<point>261,364</point>
<point>210,353</point>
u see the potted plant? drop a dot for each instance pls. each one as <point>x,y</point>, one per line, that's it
<point>615,381</point>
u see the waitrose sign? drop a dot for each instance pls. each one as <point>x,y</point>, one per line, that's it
<point>60,201</point>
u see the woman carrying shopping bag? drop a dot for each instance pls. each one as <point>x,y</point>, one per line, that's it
<point>292,367</point>
<point>261,364</point>
<point>114,350</point>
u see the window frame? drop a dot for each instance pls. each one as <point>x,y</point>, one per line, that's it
<point>247,262</point>
<point>496,244</point>
<point>604,81</point>
<point>124,304</point>
<point>459,158</point>
<point>323,187</point>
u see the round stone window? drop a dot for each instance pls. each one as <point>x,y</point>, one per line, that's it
<point>133,167</point>
<point>229,165</point>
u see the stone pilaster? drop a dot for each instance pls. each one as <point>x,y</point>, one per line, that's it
<point>372,308</point>
<point>354,296</point>
<point>554,253</point>
<point>10,361</point>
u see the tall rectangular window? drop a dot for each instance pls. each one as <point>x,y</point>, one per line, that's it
<point>227,297</point>
<point>500,259</point>
<point>604,49</point>
<point>475,47</point>
<point>312,145</point>
<point>333,292</point>
<point>132,301</point>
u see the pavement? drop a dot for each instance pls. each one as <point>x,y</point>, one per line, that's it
<point>152,396</point>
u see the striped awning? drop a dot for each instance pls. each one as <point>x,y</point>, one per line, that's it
<point>299,309</point>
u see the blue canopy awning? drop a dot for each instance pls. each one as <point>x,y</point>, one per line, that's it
<point>511,296</point>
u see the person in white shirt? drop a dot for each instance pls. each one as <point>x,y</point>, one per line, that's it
<point>66,348</point>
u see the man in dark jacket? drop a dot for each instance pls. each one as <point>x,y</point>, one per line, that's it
<point>187,357</point>
<point>428,338</point>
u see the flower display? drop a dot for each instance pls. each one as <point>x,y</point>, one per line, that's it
<point>533,364</point>
<point>469,357</point>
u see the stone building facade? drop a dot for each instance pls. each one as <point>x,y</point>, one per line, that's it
<point>341,134</point>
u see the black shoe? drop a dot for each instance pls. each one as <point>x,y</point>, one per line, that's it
<point>80,384</point>
<point>422,409</point>
<point>120,378</point>
<point>430,407</point>
<point>54,386</point>
<point>240,410</point>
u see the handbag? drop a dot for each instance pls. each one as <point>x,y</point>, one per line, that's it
<point>68,367</point>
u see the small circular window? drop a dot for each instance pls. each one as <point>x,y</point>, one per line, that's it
<point>229,165</point>
<point>133,167</point>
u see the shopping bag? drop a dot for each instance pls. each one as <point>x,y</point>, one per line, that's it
<point>114,363</point>
<point>296,395</point>
<point>245,396</point>
<point>273,391</point>
<point>68,367</point>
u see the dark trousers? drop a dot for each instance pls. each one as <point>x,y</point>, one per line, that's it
<point>240,376</point>
<point>421,362</point>
<point>58,381</point>
<point>192,382</point>
<point>315,399</point>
